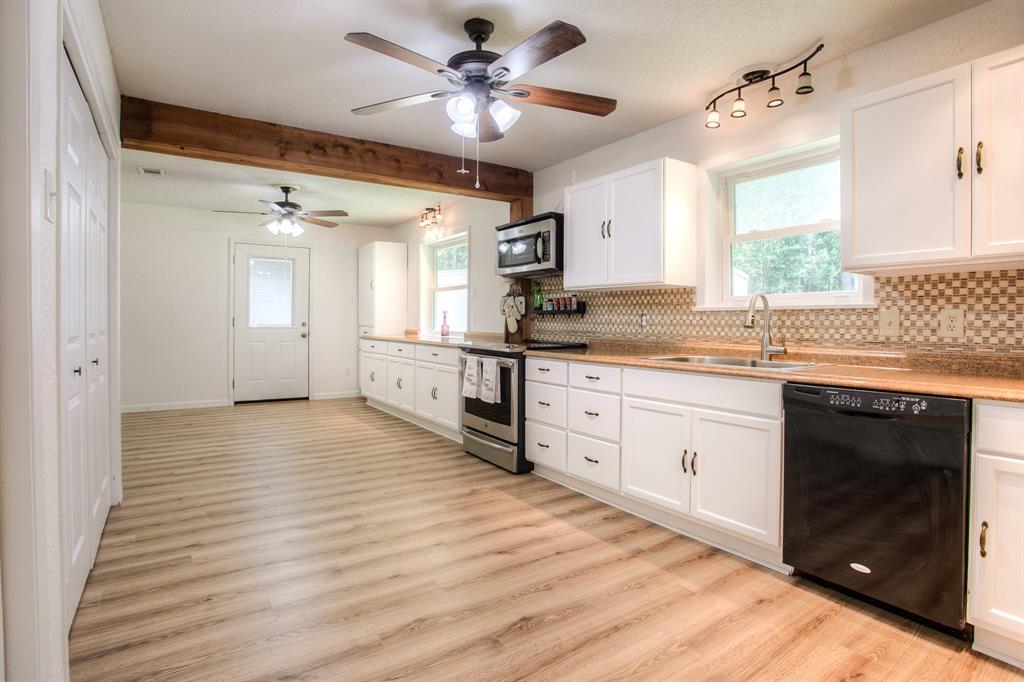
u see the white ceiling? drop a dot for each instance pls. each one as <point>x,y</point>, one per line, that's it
<point>194,183</point>
<point>286,61</point>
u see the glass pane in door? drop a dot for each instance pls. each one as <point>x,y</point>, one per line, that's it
<point>270,292</point>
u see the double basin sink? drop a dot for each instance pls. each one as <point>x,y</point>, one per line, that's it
<point>732,362</point>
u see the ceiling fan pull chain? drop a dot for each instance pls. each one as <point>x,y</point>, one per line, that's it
<point>463,170</point>
<point>477,152</point>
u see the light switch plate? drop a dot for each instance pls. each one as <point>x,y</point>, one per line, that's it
<point>951,323</point>
<point>889,323</point>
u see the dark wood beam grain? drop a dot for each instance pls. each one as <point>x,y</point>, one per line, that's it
<point>170,129</point>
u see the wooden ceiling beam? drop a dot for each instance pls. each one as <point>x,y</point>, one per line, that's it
<point>170,129</point>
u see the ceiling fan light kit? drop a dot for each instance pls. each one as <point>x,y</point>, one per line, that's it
<point>757,77</point>
<point>285,215</point>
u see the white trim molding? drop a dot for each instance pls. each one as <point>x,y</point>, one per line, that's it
<point>186,405</point>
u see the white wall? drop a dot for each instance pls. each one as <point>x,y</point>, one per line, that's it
<point>175,305</point>
<point>479,217</point>
<point>982,30</point>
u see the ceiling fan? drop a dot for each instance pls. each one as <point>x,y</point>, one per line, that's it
<point>482,76</point>
<point>286,214</point>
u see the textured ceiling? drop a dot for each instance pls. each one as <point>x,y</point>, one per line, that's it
<point>286,61</point>
<point>195,183</point>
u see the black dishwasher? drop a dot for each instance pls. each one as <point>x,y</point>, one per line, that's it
<point>875,496</point>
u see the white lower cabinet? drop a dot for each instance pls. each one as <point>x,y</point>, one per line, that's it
<point>401,384</point>
<point>593,460</point>
<point>373,376</point>
<point>437,393</point>
<point>545,445</point>
<point>655,449</point>
<point>995,603</point>
<point>736,473</point>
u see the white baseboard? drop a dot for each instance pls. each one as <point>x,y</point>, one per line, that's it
<point>186,405</point>
<point>999,646</point>
<point>335,395</point>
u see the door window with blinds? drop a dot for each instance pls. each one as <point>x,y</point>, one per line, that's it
<point>270,292</point>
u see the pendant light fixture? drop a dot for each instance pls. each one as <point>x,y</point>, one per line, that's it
<point>756,77</point>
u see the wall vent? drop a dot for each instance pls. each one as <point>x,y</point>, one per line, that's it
<point>151,172</point>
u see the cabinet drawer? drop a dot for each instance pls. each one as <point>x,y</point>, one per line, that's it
<point>595,377</point>
<point>545,445</point>
<point>545,403</point>
<point>593,460</point>
<point>548,371</point>
<point>999,427</point>
<point>443,356</point>
<point>595,414</point>
<point>402,350</point>
<point>727,393</point>
<point>370,346</point>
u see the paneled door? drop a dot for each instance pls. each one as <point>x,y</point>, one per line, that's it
<point>586,241</point>
<point>655,453</point>
<point>271,322</point>
<point>634,227</point>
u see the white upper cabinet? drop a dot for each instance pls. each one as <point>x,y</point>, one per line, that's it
<point>633,228</point>
<point>932,171</point>
<point>904,202</point>
<point>997,160</point>
<point>382,288</point>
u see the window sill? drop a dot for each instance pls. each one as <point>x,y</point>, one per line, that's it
<point>788,306</point>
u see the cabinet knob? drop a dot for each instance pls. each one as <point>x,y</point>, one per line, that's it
<point>981,538</point>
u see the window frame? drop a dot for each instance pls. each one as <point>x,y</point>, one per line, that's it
<point>432,289</point>
<point>720,232</point>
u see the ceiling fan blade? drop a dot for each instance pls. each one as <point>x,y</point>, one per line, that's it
<point>489,131</point>
<point>563,99</point>
<point>273,207</point>
<point>404,102</point>
<point>385,47</point>
<point>554,39</point>
<point>316,221</point>
<point>327,214</point>
<point>243,212</point>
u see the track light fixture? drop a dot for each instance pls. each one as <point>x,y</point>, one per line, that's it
<point>756,77</point>
<point>431,216</point>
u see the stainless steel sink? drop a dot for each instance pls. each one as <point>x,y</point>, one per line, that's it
<point>732,362</point>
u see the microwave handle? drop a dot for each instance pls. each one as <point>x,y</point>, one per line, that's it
<point>538,248</point>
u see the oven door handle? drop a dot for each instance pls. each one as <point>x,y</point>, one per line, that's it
<point>502,362</point>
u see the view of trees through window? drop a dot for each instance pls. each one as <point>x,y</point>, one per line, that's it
<point>801,206</point>
<point>451,279</point>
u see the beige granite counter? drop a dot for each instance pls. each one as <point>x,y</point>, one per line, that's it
<point>961,375</point>
<point>436,339</point>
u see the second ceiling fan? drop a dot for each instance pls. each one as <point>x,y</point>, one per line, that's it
<point>477,108</point>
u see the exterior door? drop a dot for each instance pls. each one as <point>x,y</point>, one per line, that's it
<point>271,322</point>
<point>996,597</point>
<point>736,472</point>
<point>903,201</point>
<point>635,231</point>
<point>997,157</point>
<point>655,453</point>
<point>586,243</point>
<point>365,292</point>
<point>76,470</point>
<point>447,406</point>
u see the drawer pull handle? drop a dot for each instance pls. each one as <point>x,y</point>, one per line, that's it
<point>541,445</point>
<point>543,404</point>
<point>592,461</point>
<point>591,414</point>
<point>981,539</point>
<point>693,463</point>
<point>592,378</point>
<point>543,369</point>
<point>434,354</point>
<point>684,461</point>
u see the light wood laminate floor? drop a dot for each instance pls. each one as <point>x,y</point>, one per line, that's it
<point>327,540</point>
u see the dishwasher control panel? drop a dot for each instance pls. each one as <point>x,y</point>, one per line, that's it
<point>881,402</point>
<point>873,402</point>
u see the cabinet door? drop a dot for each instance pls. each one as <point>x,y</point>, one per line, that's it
<point>736,472</point>
<point>635,230</point>
<point>902,201</point>
<point>996,583</point>
<point>365,292</point>
<point>379,377</point>
<point>655,453</point>
<point>586,244</point>
<point>997,158</point>
<point>425,390</point>
<point>365,372</point>
<point>448,397</point>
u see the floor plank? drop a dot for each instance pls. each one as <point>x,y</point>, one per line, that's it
<point>328,540</point>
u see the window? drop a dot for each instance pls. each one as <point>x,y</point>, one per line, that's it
<point>450,274</point>
<point>778,234</point>
<point>270,292</point>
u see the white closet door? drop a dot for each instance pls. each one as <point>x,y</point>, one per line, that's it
<point>271,322</point>
<point>76,472</point>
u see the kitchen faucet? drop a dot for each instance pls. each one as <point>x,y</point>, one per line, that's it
<point>767,349</point>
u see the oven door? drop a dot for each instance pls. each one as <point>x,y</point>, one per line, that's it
<point>527,249</point>
<point>501,419</point>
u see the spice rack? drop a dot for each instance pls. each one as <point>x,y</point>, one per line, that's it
<point>581,309</point>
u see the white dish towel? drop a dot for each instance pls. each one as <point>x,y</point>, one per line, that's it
<point>490,392</point>
<point>471,378</point>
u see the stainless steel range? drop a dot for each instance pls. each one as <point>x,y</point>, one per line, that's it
<point>492,431</point>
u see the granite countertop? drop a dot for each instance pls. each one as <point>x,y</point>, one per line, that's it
<point>436,339</point>
<point>964,376</point>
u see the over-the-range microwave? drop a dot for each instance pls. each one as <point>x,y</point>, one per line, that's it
<point>530,247</point>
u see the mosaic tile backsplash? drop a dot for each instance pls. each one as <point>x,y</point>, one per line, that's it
<point>993,315</point>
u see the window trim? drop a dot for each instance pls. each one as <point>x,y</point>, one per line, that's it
<point>432,289</point>
<point>718,235</point>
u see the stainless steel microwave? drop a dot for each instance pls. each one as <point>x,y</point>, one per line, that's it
<point>530,247</point>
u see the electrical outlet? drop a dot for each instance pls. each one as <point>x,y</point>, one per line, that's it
<point>951,323</point>
<point>889,322</point>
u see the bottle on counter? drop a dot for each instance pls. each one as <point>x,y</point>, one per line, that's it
<point>444,323</point>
